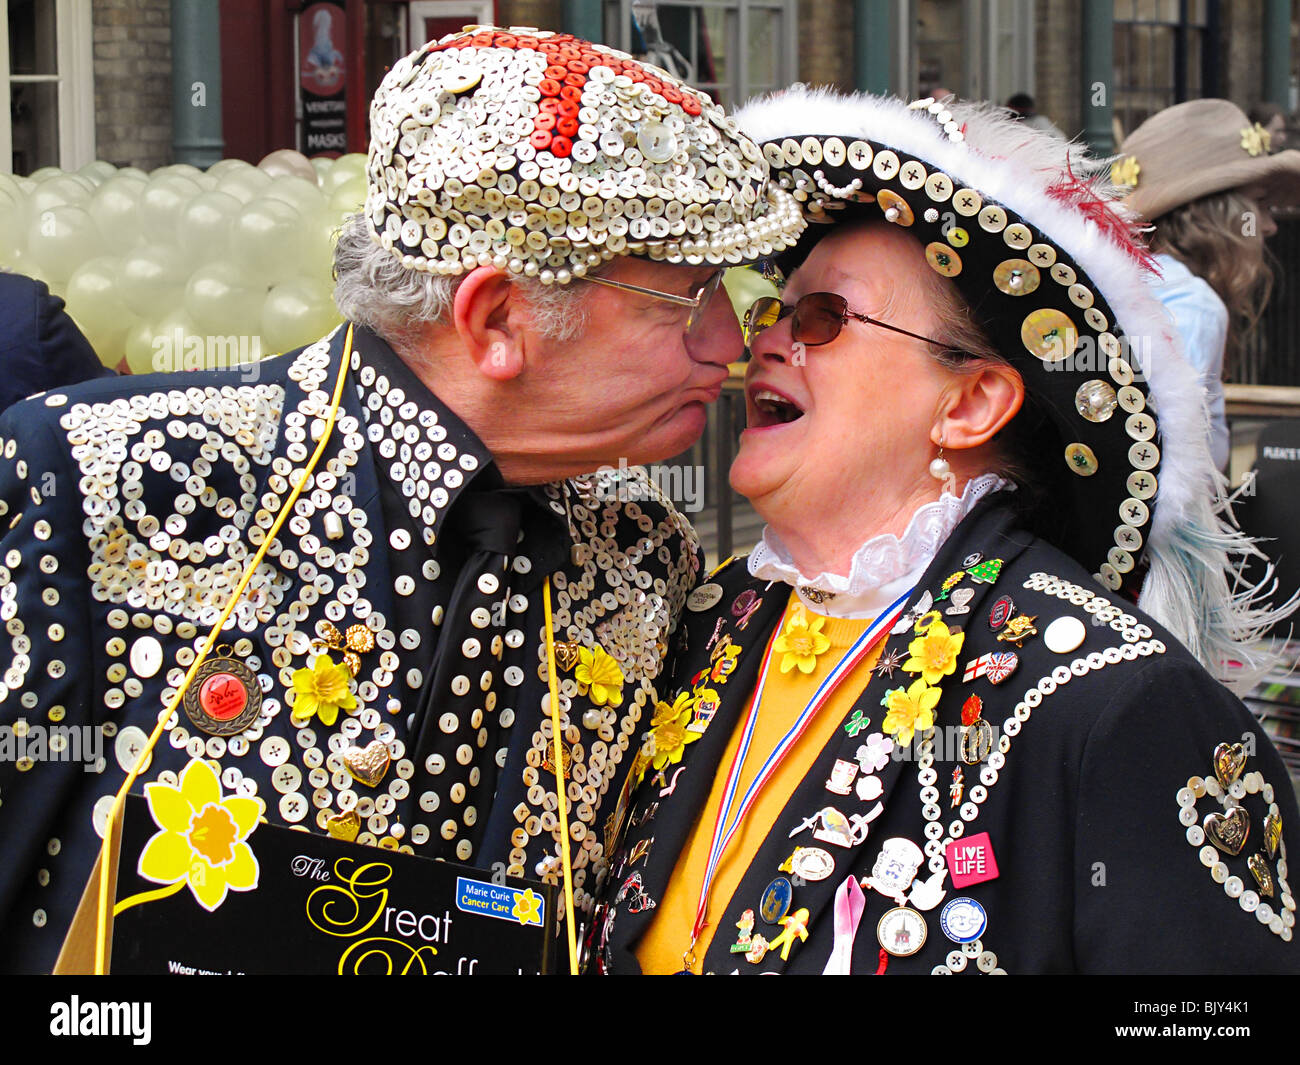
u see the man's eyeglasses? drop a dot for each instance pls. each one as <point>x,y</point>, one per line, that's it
<point>818,319</point>
<point>697,303</point>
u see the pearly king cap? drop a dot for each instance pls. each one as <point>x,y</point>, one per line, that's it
<point>1049,266</point>
<point>545,155</point>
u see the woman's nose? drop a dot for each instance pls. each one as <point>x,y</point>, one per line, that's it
<point>775,343</point>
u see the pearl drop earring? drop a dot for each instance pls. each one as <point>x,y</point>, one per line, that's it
<point>939,468</point>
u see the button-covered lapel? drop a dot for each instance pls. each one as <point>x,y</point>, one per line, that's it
<point>986,531</point>
<point>714,677</point>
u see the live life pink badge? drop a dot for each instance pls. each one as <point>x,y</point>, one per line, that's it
<point>970,860</point>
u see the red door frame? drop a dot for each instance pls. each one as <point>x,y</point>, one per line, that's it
<point>259,82</point>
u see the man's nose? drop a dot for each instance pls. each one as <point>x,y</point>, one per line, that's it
<point>717,339</point>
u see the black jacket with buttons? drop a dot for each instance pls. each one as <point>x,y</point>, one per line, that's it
<point>112,574</point>
<point>1095,870</point>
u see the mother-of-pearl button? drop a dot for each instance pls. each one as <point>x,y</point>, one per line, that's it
<point>146,657</point>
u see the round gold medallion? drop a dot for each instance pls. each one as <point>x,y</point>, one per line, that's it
<point>224,697</point>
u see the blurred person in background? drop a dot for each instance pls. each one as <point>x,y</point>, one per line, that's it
<point>1272,120</point>
<point>1022,106</point>
<point>1201,172</point>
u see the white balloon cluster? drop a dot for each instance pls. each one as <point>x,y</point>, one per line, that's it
<point>167,268</point>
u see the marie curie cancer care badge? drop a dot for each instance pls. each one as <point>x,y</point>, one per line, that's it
<point>522,906</point>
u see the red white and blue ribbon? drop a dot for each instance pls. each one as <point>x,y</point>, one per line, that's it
<point>730,812</point>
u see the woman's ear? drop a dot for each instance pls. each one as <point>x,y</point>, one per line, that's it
<point>981,402</point>
<point>481,315</point>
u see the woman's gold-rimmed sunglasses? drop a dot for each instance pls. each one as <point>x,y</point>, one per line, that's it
<point>818,319</point>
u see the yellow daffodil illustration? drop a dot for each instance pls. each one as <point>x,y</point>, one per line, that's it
<point>322,690</point>
<point>202,842</point>
<point>528,907</point>
<point>668,739</point>
<point>910,710</point>
<point>800,642</point>
<point>598,672</point>
<point>934,655</point>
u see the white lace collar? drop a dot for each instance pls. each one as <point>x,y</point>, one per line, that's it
<point>884,567</point>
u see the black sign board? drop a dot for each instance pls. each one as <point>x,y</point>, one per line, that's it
<point>319,905</point>
<point>323,49</point>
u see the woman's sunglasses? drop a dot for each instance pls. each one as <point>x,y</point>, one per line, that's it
<point>818,319</point>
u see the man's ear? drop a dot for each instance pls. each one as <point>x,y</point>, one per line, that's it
<point>489,332</point>
<point>980,403</point>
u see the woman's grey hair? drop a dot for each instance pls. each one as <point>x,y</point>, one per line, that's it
<point>372,288</point>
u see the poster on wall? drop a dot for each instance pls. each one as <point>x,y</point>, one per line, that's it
<point>322,47</point>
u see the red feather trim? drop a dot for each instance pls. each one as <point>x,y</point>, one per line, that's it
<point>1124,234</point>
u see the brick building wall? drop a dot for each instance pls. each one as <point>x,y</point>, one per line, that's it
<point>1058,63</point>
<point>133,65</point>
<point>1241,67</point>
<point>826,43</point>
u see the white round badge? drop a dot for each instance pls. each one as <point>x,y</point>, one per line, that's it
<point>705,597</point>
<point>1064,634</point>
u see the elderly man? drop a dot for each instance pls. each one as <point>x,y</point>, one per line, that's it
<point>368,538</point>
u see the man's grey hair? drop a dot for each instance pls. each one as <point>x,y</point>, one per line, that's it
<point>372,288</point>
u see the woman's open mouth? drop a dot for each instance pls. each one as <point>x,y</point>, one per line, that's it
<point>769,408</point>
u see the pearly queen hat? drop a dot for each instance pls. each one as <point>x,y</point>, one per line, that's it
<point>1041,252</point>
<point>545,155</point>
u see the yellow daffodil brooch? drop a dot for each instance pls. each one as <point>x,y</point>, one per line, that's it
<point>598,672</point>
<point>1125,171</point>
<point>934,655</point>
<point>669,735</point>
<point>322,690</point>
<point>801,641</point>
<point>1256,140</point>
<point>911,710</point>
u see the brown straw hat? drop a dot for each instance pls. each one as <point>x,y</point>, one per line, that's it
<point>1196,149</point>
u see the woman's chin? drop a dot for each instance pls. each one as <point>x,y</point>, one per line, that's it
<point>754,472</point>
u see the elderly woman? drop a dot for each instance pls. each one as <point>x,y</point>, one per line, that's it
<point>924,729</point>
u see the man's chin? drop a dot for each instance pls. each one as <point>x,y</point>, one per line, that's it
<point>671,436</point>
